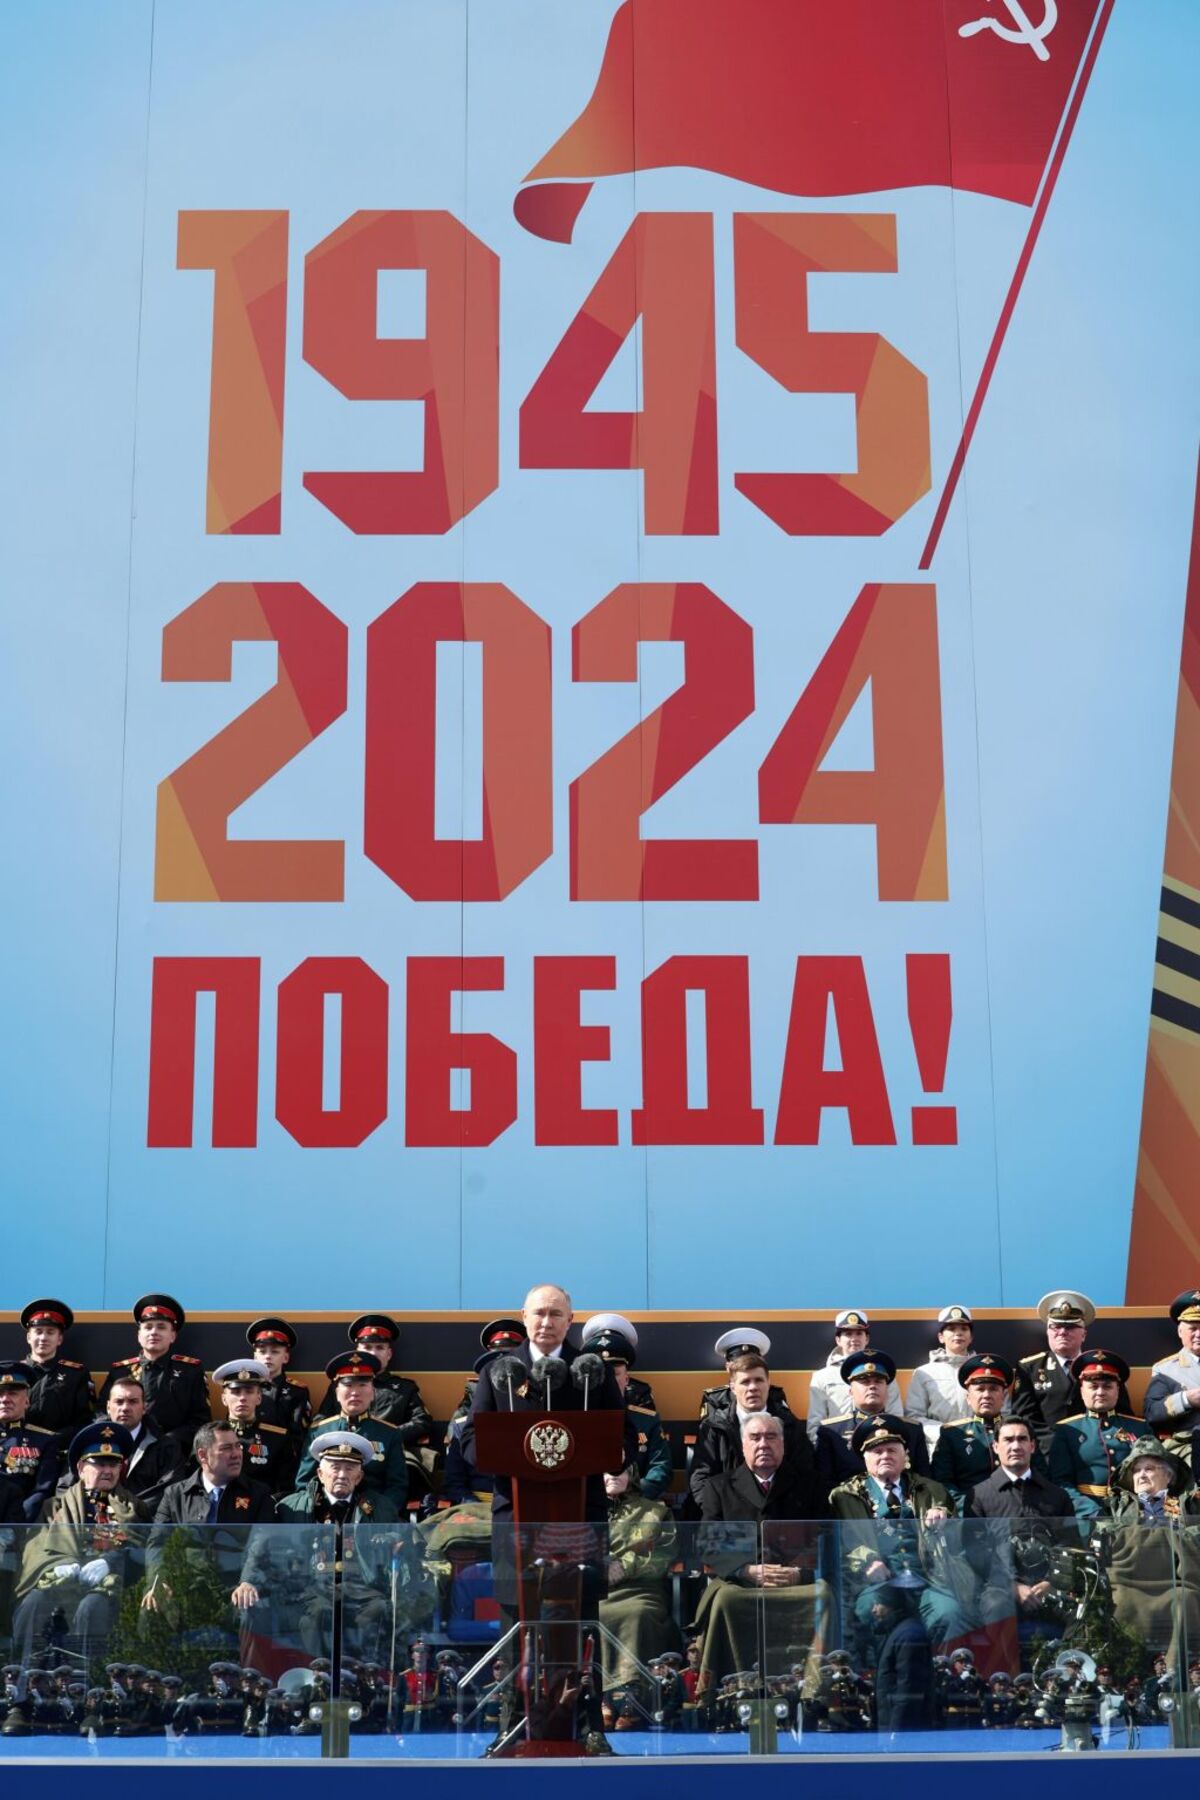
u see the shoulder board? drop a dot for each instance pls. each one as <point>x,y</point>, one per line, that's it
<point>631,1407</point>
<point>279,1430</point>
<point>383,1424</point>
<point>126,1362</point>
<point>193,1360</point>
<point>1074,1418</point>
<point>968,1420</point>
<point>1038,1356</point>
<point>1126,1419</point>
<point>65,1362</point>
<point>42,1430</point>
<point>837,1419</point>
<point>1164,1364</point>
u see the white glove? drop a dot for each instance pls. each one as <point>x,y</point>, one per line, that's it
<point>65,1571</point>
<point>93,1573</point>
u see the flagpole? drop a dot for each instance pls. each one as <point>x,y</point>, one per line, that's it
<point>1041,206</point>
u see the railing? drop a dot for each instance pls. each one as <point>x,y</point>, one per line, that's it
<point>651,1636</point>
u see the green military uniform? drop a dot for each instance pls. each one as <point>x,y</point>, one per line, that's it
<point>965,1454</point>
<point>1085,1454</point>
<point>655,1467</point>
<point>387,1473</point>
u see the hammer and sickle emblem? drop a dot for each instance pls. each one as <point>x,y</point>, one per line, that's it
<point>1022,30</point>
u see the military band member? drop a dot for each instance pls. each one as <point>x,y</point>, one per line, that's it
<point>287,1403</point>
<point>1173,1396</point>
<point>828,1394</point>
<point>934,1393</point>
<point>743,1340</point>
<point>352,1378</point>
<point>29,1454</point>
<point>966,1453</point>
<point>267,1453</point>
<point>613,1337</point>
<point>1045,1392</point>
<point>869,1375</point>
<point>175,1388</point>
<point>62,1398</point>
<point>1087,1450</point>
<point>154,1460</point>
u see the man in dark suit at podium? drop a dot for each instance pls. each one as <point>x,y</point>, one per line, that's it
<point>547,1316</point>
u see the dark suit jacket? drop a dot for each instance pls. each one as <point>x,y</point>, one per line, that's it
<point>1037,1498</point>
<point>12,1505</point>
<point>718,1448</point>
<point>837,1462</point>
<point>796,1493</point>
<point>567,1398</point>
<point>186,1503</point>
<point>156,1461</point>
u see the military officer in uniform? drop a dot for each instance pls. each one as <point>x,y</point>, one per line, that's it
<point>828,1395</point>
<point>1045,1393</point>
<point>175,1388</point>
<point>62,1398</point>
<point>613,1337</point>
<point>966,1451</point>
<point>869,1375</point>
<point>284,1402</point>
<point>338,1493</point>
<point>934,1394</point>
<point>397,1398</point>
<point>29,1454</point>
<point>1087,1450</point>
<point>744,1340</point>
<point>352,1378</point>
<point>1173,1396</point>
<point>461,1480</point>
<point>267,1453</point>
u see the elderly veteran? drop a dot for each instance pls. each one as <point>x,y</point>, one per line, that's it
<point>81,1560</point>
<point>1152,1547</point>
<point>1173,1393</point>
<point>910,1584</point>
<point>614,1338</point>
<point>1087,1450</point>
<point>934,1396</point>
<point>29,1454</point>
<point>336,1495</point>
<point>828,1393</point>
<point>760,1538</point>
<point>637,1608</point>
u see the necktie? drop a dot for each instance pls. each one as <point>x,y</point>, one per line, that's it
<point>894,1507</point>
<point>214,1501</point>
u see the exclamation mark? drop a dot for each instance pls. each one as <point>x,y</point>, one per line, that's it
<point>929,1014</point>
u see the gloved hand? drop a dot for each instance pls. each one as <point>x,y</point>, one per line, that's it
<point>65,1571</point>
<point>93,1573</point>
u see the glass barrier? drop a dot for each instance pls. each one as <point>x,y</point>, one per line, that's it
<point>644,1636</point>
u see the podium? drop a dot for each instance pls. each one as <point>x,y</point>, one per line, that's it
<point>548,1457</point>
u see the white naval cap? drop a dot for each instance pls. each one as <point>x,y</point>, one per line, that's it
<point>1068,1307</point>
<point>743,1340</point>
<point>243,1371</point>
<point>955,1315</point>
<point>349,1446</point>
<point>853,1319</point>
<point>610,1322</point>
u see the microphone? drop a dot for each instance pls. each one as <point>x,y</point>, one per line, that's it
<point>506,1370</point>
<point>587,1370</point>
<point>549,1372</point>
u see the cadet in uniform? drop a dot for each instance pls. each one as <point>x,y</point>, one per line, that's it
<point>744,1340</point>
<point>869,1375</point>
<point>267,1453</point>
<point>62,1398</point>
<point>1173,1396</point>
<point>934,1393</point>
<point>461,1480</point>
<point>352,1378</point>
<point>828,1395</point>
<point>175,1388</point>
<point>965,1453</point>
<point>1087,1450</point>
<point>1045,1393</point>
<point>397,1398</point>
<point>613,1337</point>
<point>284,1402</point>
<point>29,1454</point>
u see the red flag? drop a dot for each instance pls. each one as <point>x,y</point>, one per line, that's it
<point>822,97</point>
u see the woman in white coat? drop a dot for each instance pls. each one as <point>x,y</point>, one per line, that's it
<point>934,1395</point>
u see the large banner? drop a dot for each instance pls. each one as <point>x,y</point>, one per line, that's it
<point>592,613</point>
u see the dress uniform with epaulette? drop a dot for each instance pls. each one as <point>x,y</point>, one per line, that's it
<point>1045,1393</point>
<point>267,1453</point>
<point>461,1480</point>
<point>397,1397</point>
<point>965,1453</point>
<point>29,1454</point>
<point>1087,1450</point>
<point>388,1469</point>
<point>1168,1409</point>
<point>836,1458</point>
<point>828,1395</point>
<point>175,1385</point>
<point>62,1398</point>
<point>284,1402</point>
<point>613,1337</point>
<point>744,1340</point>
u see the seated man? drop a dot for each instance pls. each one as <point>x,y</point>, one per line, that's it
<point>336,1495</point>
<point>759,1563</point>
<point>29,1454</point>
<point>718,1448</point>
<point>1046,1392</point>
<point>1087,1450</point>
<point>637,1606</point>
<point>461,1480</point>
<point>352,1376</point>
<point>743,1340</point>
<point>1155,1574</point>
<point>155,1460</point>
<point>217,1494</point>
<point>965,1452</point>
<point>62,1397</point>
<point>82,1560</point>
<point>267,1453</point>
<point>612,1337</point>
<point>397,1397</point>
<point>1026,1563</point>
<point>904,1568</point>
<point>869,1375</point>
<point>1173,1396</point>
<point>828,1394</point>
<point>934,1395</point>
